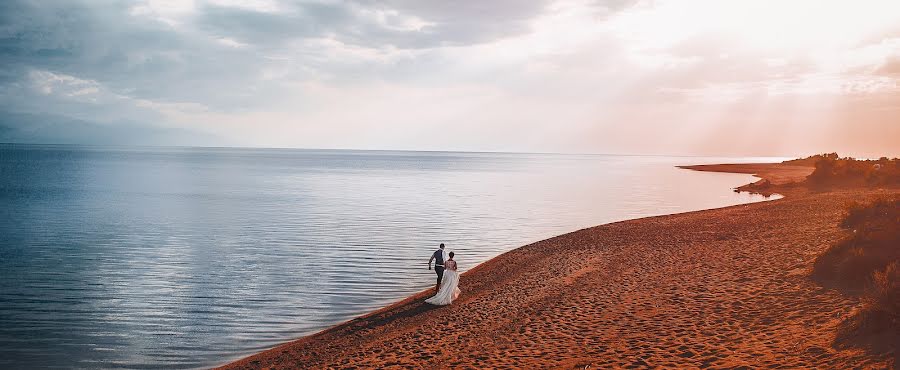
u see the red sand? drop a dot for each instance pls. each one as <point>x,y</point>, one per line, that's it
<point>719,288</point>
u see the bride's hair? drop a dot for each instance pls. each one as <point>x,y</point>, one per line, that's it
<point>451,255</point>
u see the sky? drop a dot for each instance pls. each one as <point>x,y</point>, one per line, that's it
<point>690,77</point>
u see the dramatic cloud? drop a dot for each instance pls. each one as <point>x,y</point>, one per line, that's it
<point>679,77</point>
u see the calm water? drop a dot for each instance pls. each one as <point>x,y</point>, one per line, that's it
<point>184,258</point>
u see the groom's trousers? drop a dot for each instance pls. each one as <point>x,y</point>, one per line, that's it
<point>439,270</point>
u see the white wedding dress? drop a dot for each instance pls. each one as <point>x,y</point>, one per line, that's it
<point>449,286</point>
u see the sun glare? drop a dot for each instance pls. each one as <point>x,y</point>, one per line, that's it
<point>764,25</point>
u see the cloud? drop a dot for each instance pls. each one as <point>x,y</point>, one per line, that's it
<point>47,128</point>
<point>227,54</point>
<point>890,67</point>
<point>109,61</point>
<point>560,75</point>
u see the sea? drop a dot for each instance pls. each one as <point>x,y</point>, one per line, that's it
<point>176,257</point>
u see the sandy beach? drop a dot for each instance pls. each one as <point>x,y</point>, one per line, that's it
<point>721,288</point>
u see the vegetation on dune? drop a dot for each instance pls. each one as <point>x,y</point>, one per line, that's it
<point>868,263</point>
<point>832,170</point>
<point>885,294</point>
<point>811,160</point>
<point>873,244</point>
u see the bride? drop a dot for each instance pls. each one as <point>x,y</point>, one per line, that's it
<point>449,285</point>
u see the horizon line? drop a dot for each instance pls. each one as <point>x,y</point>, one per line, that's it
<point>396,150</point>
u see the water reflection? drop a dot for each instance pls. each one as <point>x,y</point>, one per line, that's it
<point>169,257</point>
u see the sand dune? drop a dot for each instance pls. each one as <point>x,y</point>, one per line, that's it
<point>721,288</point>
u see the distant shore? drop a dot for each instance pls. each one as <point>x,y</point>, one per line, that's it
<point>725,287</point>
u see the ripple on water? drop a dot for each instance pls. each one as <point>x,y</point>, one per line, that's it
<point>187,258</point>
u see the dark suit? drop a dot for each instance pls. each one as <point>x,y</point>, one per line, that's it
<point>439,264</point>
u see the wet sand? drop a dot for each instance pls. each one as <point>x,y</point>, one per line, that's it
<point>720,288</point>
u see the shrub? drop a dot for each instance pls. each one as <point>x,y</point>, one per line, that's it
<point>884,295</point>
<point>868,263</point>
<point>874,244</point>
<point>831,170</point>
<point>812,160</point>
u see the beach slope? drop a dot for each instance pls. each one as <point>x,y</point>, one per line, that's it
<point>717,288</point>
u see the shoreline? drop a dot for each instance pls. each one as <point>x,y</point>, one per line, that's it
<point>530,318</point>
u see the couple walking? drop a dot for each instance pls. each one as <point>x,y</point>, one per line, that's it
<point>447,277</point>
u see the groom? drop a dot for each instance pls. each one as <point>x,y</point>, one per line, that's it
<point>439,256</point>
